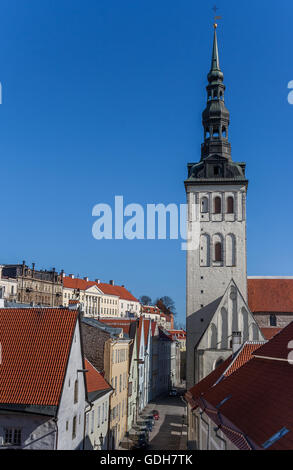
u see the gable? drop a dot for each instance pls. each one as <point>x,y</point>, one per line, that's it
<point>232,314</point>
<point>93,290</point>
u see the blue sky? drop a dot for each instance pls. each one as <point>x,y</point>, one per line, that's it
<point>104,98</point>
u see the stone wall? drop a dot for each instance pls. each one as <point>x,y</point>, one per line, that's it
<point>93,344</point>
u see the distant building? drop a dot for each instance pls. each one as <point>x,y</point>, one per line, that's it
<point>129,306</point>
<point>90,296</point>
<point>35,286</point>
<point>8,287</point>
<point>270,299</point>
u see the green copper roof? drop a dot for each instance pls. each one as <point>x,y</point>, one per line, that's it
<point>215,72</point>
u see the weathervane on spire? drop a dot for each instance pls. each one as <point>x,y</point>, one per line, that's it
<point>215,8</point>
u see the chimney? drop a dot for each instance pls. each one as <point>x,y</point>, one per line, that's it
<point>236,341</point>
<point>111,282</point>
<point>33,265</point>
<point>86,279</point>
<point>62,273</point>
<point>97,281</point>
<point>72,276</point>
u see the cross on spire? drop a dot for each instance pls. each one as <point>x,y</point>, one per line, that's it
<point>215,9</point>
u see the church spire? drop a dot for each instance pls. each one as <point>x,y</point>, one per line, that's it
<point>216,116</point>
<point>216,161</point>
<point>215,72</point>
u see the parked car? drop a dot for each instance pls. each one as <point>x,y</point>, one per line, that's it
<point>150,419</point>
<point>149,425</point>
<point>156,415</point>
<point>173,392</point>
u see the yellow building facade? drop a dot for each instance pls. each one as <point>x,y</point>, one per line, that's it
<point>116,360</point>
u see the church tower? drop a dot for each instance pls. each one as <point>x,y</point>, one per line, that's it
<point>216,196</point>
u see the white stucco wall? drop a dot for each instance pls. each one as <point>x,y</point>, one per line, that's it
<point>67,408</point>
<point>97,423</point>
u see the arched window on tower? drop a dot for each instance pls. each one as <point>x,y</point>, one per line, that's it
<point>217,205</point>
<point>207,133</point>
<point>204,205</point>
<point>230,205</point>
<point>224,132</point>
<point>221,95</point>
<point>215,94</point>
<point>218,255</point>
<point>216,132</point>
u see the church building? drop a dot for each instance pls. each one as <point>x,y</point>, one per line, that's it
<point>218,316</point>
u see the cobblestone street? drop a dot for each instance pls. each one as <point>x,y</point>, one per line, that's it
<point>169,432</point>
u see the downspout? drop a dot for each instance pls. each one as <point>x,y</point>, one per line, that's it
<point>56,439</point>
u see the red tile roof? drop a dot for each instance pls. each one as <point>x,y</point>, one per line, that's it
<point>253,404</point>
<point>139,330</point>
<point>120,291</point>
<point>146,331</point>
<point>95,382</point>
<point>270,295</point>
<point>76,283</point>
<point>107,289</point>
<point>277,347</point>
<point>270,331</point>
<point>177,334</point>
<point>205,384</point>
<point>118,323</point>
<point>259,397</point>
<point>154,310</point>
<point>35,344</point>
<point>243,356</point>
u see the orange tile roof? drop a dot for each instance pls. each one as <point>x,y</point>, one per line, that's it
<point>76,283</point>
<point>270,331</point>
<point>252,404</point>
<point>95,382</point>
<point>139,330</point>
<point>277,347</point>
<point>120,291</point>
<point>107,288</point>
<point>36,345</point>
<point>243,356</point>
<point>270,295</point>
<point>205,384</point>
<point>118,323</point>
<point>146,331</point>
<point>125,294</point>
<point>257,401</point>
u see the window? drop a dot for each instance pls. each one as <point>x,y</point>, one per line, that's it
<point>12,436</point>
<point>217,205</point>
<point>204,205</point>
<point>74,428</point>
<point>76,391</point>
<point>273,320</point>
<point>99,416</point>
<point>230,205</point>
<point>218,251</point>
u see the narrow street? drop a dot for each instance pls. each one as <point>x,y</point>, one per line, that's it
<point>169,432</point>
